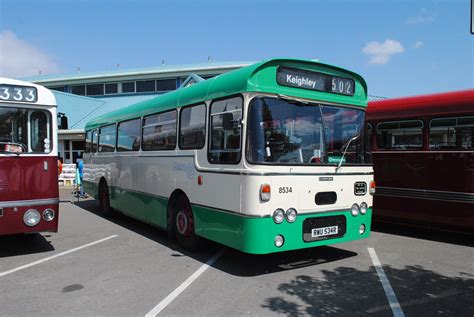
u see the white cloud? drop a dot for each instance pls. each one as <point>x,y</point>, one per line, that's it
<point>380,53</point>
<point>423,17</point>
<point>419,44</point>
<point>19,58</point>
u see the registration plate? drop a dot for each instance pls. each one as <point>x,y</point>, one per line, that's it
<point>322,232</point>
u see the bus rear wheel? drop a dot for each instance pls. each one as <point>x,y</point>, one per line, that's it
<point>184,227</point>
<point>104,200</point>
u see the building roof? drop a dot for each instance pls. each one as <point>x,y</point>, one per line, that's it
<point>80,109</point>
<point>259,77</point>
<point>121,73</point>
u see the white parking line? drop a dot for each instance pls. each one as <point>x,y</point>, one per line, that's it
<point>54,256</point>
<point>171,297</point>
<point>391,297</point>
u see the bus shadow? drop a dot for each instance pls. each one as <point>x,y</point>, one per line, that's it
<point>14,245</point>
<point>232,261</point>
<point>242,264</point>
<point>348,291</point>
<point>424,233</point>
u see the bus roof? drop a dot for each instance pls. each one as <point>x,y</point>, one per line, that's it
<point>45,96</point>
<point>259,77</point>
<point>424,105</point>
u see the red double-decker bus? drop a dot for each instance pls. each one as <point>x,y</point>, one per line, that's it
<point>28,159</point>
<point>423,156</point>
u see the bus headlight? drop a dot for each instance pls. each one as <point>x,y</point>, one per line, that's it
<point>31,217</point>
<point>355,210</point>
<point>279,240</point>
<point>363,208</point>
<point>278,215</point>
<point>291,215</point>
<point>48,214</point>
<point>362,229</point>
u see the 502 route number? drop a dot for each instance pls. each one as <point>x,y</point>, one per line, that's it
<point>285,190</point>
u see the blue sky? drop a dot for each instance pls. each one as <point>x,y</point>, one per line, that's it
<point>400,47</point>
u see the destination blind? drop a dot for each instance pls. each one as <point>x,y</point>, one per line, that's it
<point>314,81</point>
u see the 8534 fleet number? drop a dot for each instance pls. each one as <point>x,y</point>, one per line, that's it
<point>285,190</point>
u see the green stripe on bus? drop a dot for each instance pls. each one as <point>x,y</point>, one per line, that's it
<point>241,232</point>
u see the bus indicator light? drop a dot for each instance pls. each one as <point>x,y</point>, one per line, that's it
<point>200,180</point>
<point>265,192</point>
<point>372,188</point>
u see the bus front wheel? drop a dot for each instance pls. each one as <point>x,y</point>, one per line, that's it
<point>184,227</point>
<point>104,200</point>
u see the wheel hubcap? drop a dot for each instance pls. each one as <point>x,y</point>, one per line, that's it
<point>184,222</point>
<point>181,222</point>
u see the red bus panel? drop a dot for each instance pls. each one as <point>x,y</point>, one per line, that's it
<point>432,185</point>
<point>27,182</point>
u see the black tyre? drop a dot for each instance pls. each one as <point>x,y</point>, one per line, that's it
<point>184,226</point>
<point>104,200</point>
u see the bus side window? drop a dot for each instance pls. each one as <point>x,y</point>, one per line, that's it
<point>107,138</point>
<point>88,142</point>
<point>159,131</point>
<point>452,133</point>
<point>192,131</point>
<point>225,138</point>
<point>400,135</point>
<point>128,135</point>
<point>95,141</point>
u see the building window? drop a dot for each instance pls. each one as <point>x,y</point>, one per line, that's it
<point>111,88</point>
<point>78,90</point>
<point>78,150</point>
<point>145,85</point>
<point>128,135</point>
<point>400,135</point>
<point>159,131</point>
<point>107,138</point>
<point>128,87</point>
<point>95,89</point>
<point>207,76</point>
<point>225,137</point>
<point>192,134</point>
<point>58,88</point>
<point>165,84</point>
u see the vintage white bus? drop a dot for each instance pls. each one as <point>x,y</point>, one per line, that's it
<point>267,158</point>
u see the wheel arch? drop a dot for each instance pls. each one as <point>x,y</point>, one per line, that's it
<point>175,198</point>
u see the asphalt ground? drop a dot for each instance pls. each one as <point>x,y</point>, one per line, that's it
<point>120,267</point>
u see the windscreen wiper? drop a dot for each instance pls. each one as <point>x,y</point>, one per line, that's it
<point>355,137</point>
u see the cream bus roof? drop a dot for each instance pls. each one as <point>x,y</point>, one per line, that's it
<point>45,96</point>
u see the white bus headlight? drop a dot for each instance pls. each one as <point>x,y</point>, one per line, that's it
<point>363,208</point>
<point>355,210</point>
<point>278,215</point>
<point>362,229</point>
<point>48,214</point>
<point>31,217</point>
<point>291,215</point>
<point>279,240</point>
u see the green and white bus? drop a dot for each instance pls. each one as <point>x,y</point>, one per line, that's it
<point>267,158</point>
